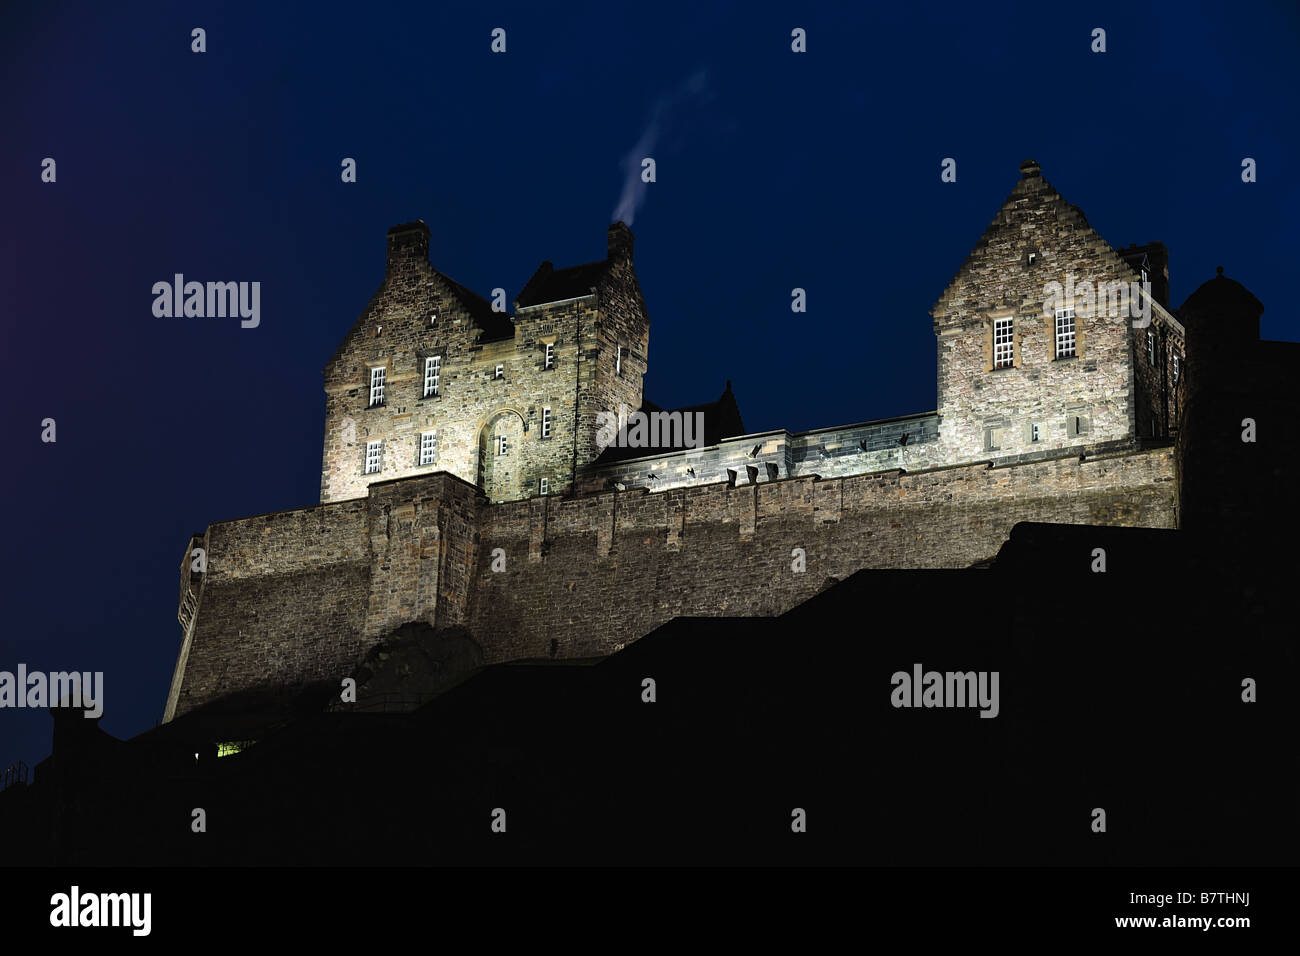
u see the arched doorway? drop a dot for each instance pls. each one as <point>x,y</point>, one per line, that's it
<point>500,468</point>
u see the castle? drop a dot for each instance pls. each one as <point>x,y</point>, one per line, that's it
<point>467,482</point>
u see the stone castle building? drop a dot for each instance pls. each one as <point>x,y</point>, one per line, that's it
<point>467,484</point>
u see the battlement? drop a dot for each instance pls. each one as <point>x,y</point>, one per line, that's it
<point>763,457</point>
<point>301,595</point>
<point>470,479</point>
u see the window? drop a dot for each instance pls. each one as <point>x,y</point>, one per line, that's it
<point>499,372</point>
<point>1076,424</point>
<point>618,361</point>
<point>502,445</point>
<point>993,438</point>
<point>1144,278</point>
<point>377,386</point>
<point>1151,346</point>
<point>546,422</point>
<point>432,375</point>
<point>1033,433</point>
<point>428,447</point>
<point>1177,363</point>
<point>544,487</point>
<point>374,457</point>
<point>1065,333</point>
<point>1002,357</point>
<point>550,355</point>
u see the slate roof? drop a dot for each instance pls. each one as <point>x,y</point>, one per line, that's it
<point>549,284</point>
<point>721,420</point>
<point>1223,300</point>
<point>495,325</point>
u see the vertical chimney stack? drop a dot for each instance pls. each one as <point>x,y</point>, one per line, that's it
<point>408,244</point>
<point>619,246</point>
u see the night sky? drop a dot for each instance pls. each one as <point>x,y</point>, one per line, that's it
<point>774,170</point>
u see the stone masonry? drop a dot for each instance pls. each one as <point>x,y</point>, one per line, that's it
<point>426,517</point>
<point>454,369</point>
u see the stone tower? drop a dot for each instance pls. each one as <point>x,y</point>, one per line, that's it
<point>1016,378</point>
<point>433,378</point>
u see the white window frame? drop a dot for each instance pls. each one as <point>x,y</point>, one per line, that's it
<point>498,373</point>
<point>374,457</point>
<point>1004,339</point>
<point>550,356</point>
<point>1151,346</point>
<point>1065,337</point>
<point>618,360</point>
<point>378,376</point>
<point>546,422</point>
<point>503,446</point>
<point>428,447</point>
<point>543,487</point>
<point>1033,433</point>
<point>432,375</point>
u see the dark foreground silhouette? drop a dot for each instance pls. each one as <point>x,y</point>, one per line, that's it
<point>1119,690</point>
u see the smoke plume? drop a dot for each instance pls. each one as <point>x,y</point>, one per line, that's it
<point>634,189</point>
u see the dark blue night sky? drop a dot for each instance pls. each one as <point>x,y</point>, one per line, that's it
<point>775,170</point>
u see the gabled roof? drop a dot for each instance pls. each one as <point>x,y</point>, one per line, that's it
<point>549,284</point>
<point>1031,189</point>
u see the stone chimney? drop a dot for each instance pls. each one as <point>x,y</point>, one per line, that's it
<point>619,246</point>
<point>408,244</point>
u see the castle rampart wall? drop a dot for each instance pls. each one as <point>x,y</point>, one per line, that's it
<point>301,595</point>
<point>617,565</point>
<point>283,600</point>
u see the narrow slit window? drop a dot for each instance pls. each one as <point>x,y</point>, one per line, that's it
<point>432,375</point>
<point>546,422</point>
